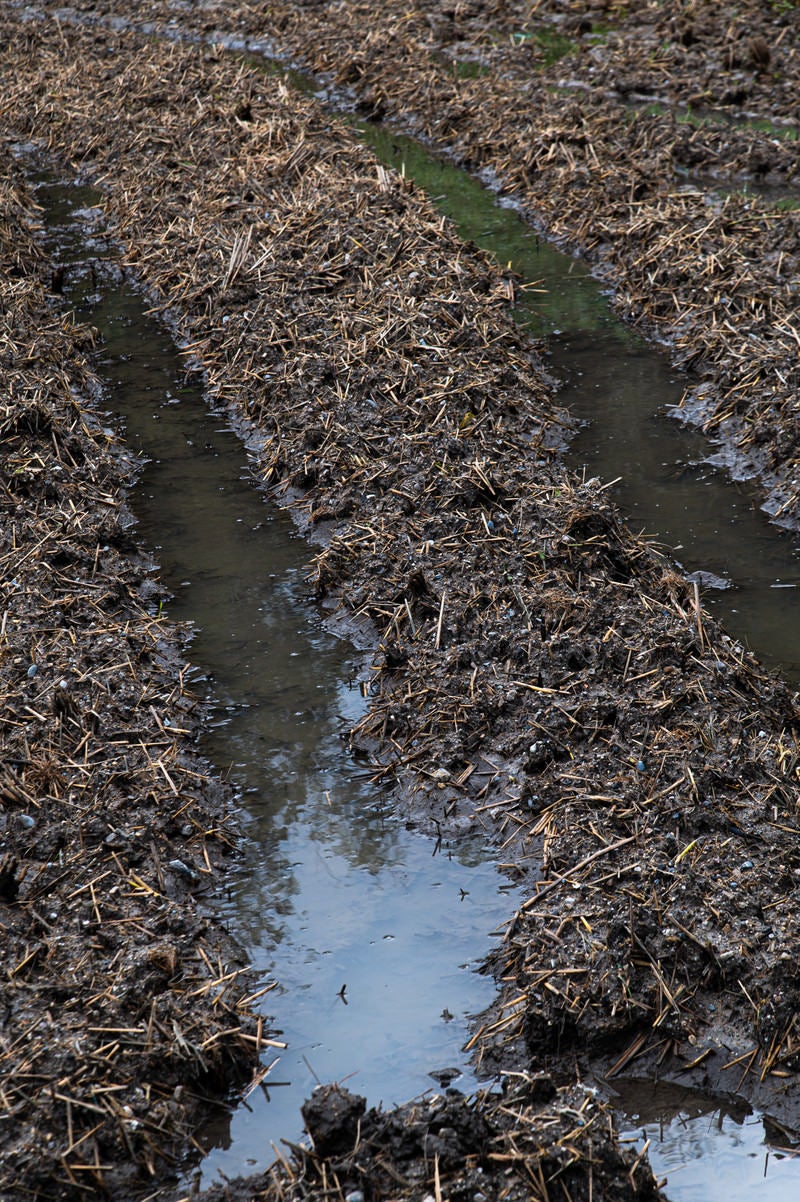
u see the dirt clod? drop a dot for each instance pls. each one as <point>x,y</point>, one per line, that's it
<point>332,1116</point>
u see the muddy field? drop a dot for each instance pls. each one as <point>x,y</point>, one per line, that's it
<point>121,999</point>
<point>539,672</point>
<point>660,141</point>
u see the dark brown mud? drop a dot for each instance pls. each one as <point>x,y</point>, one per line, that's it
<point>531,1142</point>
<point>551,101</point>
<point>541,674</point>
<point>542,99</point>
<point>123,1007</point>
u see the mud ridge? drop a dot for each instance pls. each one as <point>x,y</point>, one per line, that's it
<point>124,1004</point>
<point>542,674</point>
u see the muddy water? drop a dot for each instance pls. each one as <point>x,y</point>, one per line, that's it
<point>709,1148</point>
<point>620,388</point>
<point>368,934</point>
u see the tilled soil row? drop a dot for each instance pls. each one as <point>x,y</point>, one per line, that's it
<point>714,275</point>
<point>122,1004</point>
<point>540,672</point>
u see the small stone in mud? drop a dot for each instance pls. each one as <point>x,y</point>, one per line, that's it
<point>331,1116</point>
<point>444,1076</point>
<point>182,869</point>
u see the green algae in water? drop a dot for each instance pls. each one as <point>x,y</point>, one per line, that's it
<point>714,119</point>
<point>572,298</point>
<point>462,68</point>
<point>469,68</point>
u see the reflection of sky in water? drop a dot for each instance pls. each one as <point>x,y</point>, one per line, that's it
<point>714,1158</point>
<point>332,891</point>
<point>401,938</point>
<point>711,1148</point>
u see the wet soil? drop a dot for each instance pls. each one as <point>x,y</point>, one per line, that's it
<point>592,117</point>
<point>552,102</point>
<point>122,1001</point>
<point>540,674</point>
<point>522,1144</point>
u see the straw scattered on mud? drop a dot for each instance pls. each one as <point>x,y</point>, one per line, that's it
<point>122,1003</point>
<point>712,272</point>
<point>668,201</point>
<point>540,673</point>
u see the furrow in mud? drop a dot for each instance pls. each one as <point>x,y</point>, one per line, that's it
<point>124,1004</point>
<point>540,673</point>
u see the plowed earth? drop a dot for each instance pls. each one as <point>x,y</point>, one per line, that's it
<point>539,672</point>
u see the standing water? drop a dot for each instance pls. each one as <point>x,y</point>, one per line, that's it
<point>709,1147</point>
<point>367,935</point>
<point>618,387</point>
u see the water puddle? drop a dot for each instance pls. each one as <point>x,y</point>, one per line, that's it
<point>687,1132</point>
<point>373,939</point>
<point>777,196</point>
<point>620,388</point>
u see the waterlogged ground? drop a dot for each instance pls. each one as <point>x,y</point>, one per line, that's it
<point>539,674</point>
<point>365,937</point>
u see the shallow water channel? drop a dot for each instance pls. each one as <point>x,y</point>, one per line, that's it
<point>323,846</point>
<point>370,933</point>
<point>619,388</point>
